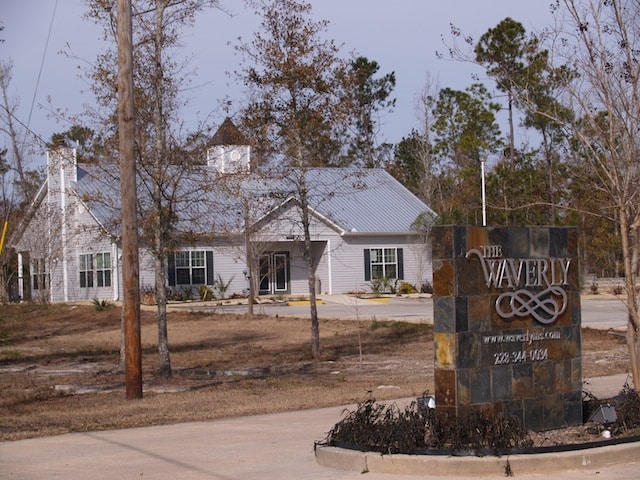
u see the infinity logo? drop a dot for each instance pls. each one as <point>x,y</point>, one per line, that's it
<point>542,307</point>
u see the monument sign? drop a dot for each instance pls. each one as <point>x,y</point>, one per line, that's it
<point>507,323</point>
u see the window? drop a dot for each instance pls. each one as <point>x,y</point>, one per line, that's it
<point>39,274</point>
<point>86,270</point>
<point>383,263</point>
<point>103,269</point>
<point>191,268</point>
<point>100,270</point>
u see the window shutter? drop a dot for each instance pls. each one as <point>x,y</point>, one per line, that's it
<point>367,264</point>
<point>209,254</point>
<point>171,264</point>
<point>400,265</point>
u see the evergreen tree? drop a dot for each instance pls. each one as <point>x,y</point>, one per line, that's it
<point>368,96</point>
<point>465,133</point>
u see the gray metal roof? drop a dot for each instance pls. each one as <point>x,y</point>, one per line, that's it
<point>355,200</point>
<point>369,200</point>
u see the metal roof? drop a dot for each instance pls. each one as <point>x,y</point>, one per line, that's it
<point>355,200</point>
<point>368,200</point>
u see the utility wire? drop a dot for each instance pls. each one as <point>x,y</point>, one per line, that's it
<point>44,55</point>
<point>27,130</point>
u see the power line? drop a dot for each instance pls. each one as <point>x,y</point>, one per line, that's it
<point>44,55</point>
<point>26,127</point>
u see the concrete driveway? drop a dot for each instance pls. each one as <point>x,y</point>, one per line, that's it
<point>598,311</point>
<point>266,447</point>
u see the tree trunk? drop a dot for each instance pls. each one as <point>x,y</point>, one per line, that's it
<point>160,158</point>
<point>633,344</point>
<point>548,156</point>
<point>512,148</point>
<point>315,327</point>
<point>164,365</point>
<point>4,279</point>
<point>633,324</point>
<point>249,257</point>
<point>308,257</point>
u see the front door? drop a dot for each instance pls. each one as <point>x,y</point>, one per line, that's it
<point>274,273</point>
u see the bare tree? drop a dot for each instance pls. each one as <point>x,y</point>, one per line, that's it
<point>295,110</point>
<point>422,149</point>
<point>248,191</point>
<point>161,161</point>
<point>600,40</point>
<point>8,127</point>
<point>18,184</point>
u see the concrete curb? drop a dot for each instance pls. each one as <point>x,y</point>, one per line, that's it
<point>436,465</point>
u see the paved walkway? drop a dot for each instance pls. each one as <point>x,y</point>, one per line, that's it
<point>265,447</point>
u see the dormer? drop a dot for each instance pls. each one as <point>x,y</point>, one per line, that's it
<point>230,151</point>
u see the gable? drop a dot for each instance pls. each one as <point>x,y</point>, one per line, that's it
<point>18,236</point>
<point>283,223</point>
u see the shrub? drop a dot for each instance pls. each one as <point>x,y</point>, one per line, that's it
<point>221,286</point>
<point>388,429</point>
<point>594,288</point>
<point>406,288</point>
<point>100,305</point>
<point>426,287</point>
<point>383,284</point>
<point>205,293</point>
<point>617,290</point>
<point>148,295</point>
<point>627,405</point>
<point>180,294</point>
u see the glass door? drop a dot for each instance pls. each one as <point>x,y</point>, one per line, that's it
<point>274,273</point>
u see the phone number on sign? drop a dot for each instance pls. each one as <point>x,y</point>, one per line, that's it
<point>520,356</point>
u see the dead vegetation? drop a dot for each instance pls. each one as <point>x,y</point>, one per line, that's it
<point>59,367</point>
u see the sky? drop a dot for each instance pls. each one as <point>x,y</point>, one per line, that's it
<point>403,36</point>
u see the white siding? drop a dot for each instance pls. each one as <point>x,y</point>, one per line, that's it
<point>286,226</point>
<point>84,237</point>
<point>347,259</point>
<point>147,269</point>
<point>229,263</point>
<point>285,234</point>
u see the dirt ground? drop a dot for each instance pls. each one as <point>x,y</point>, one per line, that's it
<point>59,367</point>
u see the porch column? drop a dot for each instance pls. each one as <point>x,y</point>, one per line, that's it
<point>115,272</point>
<point>20,278</point>
<point>329,269</point>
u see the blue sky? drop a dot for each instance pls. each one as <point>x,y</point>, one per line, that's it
<point>401,35</point>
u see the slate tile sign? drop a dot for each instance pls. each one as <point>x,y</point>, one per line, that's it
<point>507,322</point>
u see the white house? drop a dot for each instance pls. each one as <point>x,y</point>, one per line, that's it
<point>361,225</point>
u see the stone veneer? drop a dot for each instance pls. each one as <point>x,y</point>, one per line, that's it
<point>522,366</point>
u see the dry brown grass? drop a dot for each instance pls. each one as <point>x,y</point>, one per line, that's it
<point>58,367</point>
